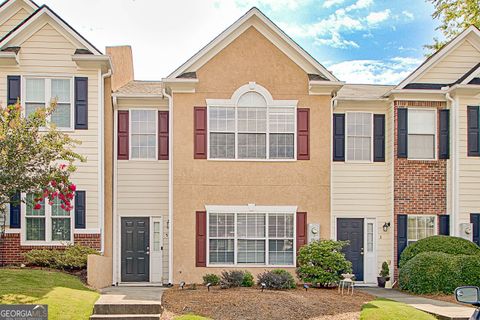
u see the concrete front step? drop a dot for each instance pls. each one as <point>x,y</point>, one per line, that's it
<point>126,316</point>
<point>127,308</point>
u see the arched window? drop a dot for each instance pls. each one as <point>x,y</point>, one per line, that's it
<point>251,125</point>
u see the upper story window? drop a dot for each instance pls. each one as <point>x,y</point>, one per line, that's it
<point>143,134</point>
<point>422,127</point>
<point>251,127</point>
<point>359,136</point>
<point>41,92</point>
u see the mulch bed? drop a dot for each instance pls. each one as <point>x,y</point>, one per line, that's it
<point>251,303</point>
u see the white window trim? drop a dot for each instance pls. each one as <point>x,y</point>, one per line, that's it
<point>251,208</point>
<point>48,227</point>
<point>435,156</point>
<point>130,134</point>
<point>232,103</point>
<point>371,138</point>
<point>435,224</point>
<point>48,97</point>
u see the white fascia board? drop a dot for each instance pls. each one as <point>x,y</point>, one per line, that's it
<point>438,56</point>
<point>322,87</point>
<point>8,59</point>
<point>93,61</point>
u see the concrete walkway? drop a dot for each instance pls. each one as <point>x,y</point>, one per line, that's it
<point>440,309</point>
<point>131,295</point>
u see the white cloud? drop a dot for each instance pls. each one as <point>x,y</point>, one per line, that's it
<point>331,3</point>
<point>374,18</point>
<point>391,71</point>
<point>336,41</point>
<point>275,5</point>
<point>360,4</point>
<point>408,15</point>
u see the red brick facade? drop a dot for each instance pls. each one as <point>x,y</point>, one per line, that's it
<point>11,252</point>
<point>420,187</point>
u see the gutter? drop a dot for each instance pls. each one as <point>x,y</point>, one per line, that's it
<point>102,162</point>
<point>170,186</point>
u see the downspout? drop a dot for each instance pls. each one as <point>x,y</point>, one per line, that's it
<point>455,164</point>
<point>170,185</point>
<point>102,163</point>
<point>333,104</point>
<point>115,232</point>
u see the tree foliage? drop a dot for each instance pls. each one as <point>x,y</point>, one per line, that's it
<point>35,157</point>
<point>455,16</point>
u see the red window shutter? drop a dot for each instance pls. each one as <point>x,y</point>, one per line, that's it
<point>201,239</point>
<point>200,133</point>
<point>162,135</point>
<point>301,229</point>
<point>303,135</point>
<point>122,135</point>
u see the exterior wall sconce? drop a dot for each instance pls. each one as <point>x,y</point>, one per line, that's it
<point>386,226</point>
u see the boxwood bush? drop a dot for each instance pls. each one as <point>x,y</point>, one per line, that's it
<point>322,262</point>
<point>438,272</point>
<point>211,278</point>
<point>73,257</point>
<point>236,278</point>
<point>277,279</point>
<point>445,244</point>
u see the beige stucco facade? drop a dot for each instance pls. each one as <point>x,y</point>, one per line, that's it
<point>196,183</point>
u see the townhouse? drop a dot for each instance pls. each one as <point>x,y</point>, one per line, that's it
<point>42,59</point>
<point>244,153</point>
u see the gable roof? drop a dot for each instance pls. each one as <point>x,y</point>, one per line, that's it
<point>5,4</point>
<point>430,62</point>
<point>289,46</point>
<point>45,10</point>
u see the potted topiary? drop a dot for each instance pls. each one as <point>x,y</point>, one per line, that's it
<point>384,275</point>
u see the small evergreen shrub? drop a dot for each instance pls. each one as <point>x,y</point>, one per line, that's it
<point>211,278</point>
<point>322,262</point>
<point>73,257</point>
<point>385,272</point>
<point>247,279</point>
<point>445,244</point>
<point>438,272</point>
<point>277,279</point>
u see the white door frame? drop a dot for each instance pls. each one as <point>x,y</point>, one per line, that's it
<point>368,268</point>
<point>156,257</point>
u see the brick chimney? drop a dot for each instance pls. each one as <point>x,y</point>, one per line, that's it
<point>122,60</point>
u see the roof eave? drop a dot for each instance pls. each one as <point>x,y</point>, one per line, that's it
<point>8,59</point>
<point>323,87</point>
<point>93,61</point>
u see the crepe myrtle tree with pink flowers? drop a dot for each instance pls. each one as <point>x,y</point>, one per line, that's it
<point>35,158</point>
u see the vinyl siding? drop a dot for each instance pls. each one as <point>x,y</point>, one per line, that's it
<point>453,66</point>
<point>48,52</point>
<point>469,175</point>
<point>364,190</point>
<point>13,21</point>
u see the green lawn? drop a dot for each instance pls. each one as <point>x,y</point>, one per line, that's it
<point>65,295</point>
<point>190,317</point>
<point>383,309</point>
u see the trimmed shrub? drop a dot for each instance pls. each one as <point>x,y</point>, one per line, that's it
<point>322,262</point>
<point>438,272</point>
<point>277,279</point>
<point>211,278</point>
<point>445,244</point>
<point>247,279</point>
<point>236,278</point>
<point>73,257</point>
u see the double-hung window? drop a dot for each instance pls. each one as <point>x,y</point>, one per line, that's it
<point>419,227</point>
<point>359,136</point>
<point>50,223</point>
<point>143,134</point>
<point>251,129</point>
<point>41,92</point>
<point>422,126</point>
<point>252,238</point>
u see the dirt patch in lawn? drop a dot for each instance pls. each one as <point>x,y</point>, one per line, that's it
<point>251,303</point>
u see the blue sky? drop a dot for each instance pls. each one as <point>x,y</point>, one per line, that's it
<point>360,41</point>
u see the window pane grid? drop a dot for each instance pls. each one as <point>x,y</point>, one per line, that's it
<point>144,134</point>
<point>420,227</point>
<point>359,136</point>
<point>421,134</point>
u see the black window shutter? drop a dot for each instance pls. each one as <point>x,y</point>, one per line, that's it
<point>81,103</point>
<point>15,211</point>
<point>13,88</point>
<point>338,137</point>
<point>80,209</point>
<point>444,152</point>
<point>379,137</point>
<point>473,131</point>
<point>401,235</point>
<point>402,132</point>
<point>444,225</point>
<point>475,220</point>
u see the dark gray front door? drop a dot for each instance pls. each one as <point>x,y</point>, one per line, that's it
<point>135,249</point>
<point>352,230</point>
